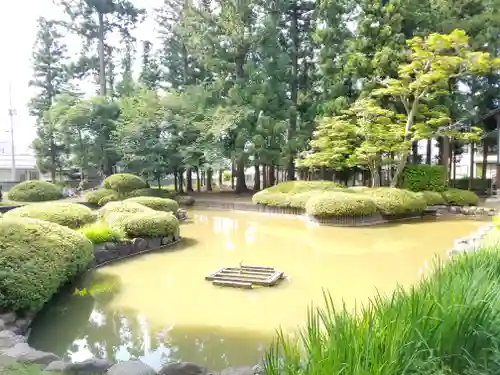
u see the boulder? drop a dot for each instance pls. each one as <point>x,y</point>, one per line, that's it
<point>24,353</point>
<point>23,324</point>
<point>102,256</point>
<point>154,243</point>
<point>183,368</point>
<point>89,366</point>
<point>110,246</point>
<point>56,366</point>
<point>139,244</point>
<point>246,370</point>
<point>167,240</point>
<point>8,318</point>
<point>130,368</point>
<point>9,339</point>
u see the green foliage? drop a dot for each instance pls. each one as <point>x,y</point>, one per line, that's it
<point>432,198</point>
<point>157,204</point>
<point>96,195</point>
<point>145,224</point>
<point>148,192</point>
<point>294,187</point>
<point>124,183</point>
<point>299,200</point>
<point>123,207</point>
<point>113,197</point>
<point>36,259</point>
<point>392,201</point>
<point>460,197</point>
<point>34,191</point>
<point>71,215</point>
<point>423,177</point>
<point>100,232</point>
<point>275,199</point>
<point>338,204</point>
<point>226,176</point>
<point>446,324</point>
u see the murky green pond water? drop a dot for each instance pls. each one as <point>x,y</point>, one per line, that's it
<point>158,307</point>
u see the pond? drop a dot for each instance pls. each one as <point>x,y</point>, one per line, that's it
<point>158,307</point>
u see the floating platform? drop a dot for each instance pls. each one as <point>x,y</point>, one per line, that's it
<point>245,277</point>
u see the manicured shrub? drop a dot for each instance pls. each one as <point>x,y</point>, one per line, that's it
<point>267,198</point>
<point>36,259</point>
<point>95,196</point>
<point>124,183</point>
<point>34,191</point>
<point>148,192</point>
<point>71,215</point>
<point>432,198</point>
<point>124,207</point>
<point>299,200</point>
<point>446,324</point>
<point>336,204</point>
<point>392,201</point>
<point>151,224</point>
<point>294,187</point>
<point>100,232</point>
<point>113,197</point>
<point>460,197</point>
<point>157,204</point>
<point>423,177</point>
<point>185,200</point>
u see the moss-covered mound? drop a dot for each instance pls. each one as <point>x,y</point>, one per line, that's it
<point>95,196</point>
<point>36,259</point>
<point>432,198</point>
<point>392,201</point>
<point>123,207</point>
<point>294,187</point>
<point>152,224</point>
<point>35,191</point>
<point>157,204</point>
<point>124,183</point>
<point>337,204</point>
<point>72,215</point>
<point>460,197</point>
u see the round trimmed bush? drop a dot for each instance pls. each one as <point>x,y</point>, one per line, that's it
<point>71,215</point>
<point>34,191</point>
<point>124,182</point>
<point>393,201</point>
<point>336,204</point>
<point>267,198</point>
<point>113,197</point>
<point>432,198</point>
<point>95,196</point>
<point>295,187</point>
<point>148,192</point>
<point>124,207</point>
<point>300,200</point>
<point>152,224</point>
<point>36,259</point>
<point>157,204</point>
<point>460,197</point>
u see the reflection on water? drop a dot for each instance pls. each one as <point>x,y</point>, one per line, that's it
<point>158,307</point>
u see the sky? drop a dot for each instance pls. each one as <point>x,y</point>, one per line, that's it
<point>18,31</point>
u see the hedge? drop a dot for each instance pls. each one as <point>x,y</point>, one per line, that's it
<point>432,198</point>
<point>267,198</point>
<point>71,215</point>
<point>113,197</point>
<point>123,207</point>
<point>36,259</point>
<point>393,201</point>
<point>460,197</point>
<point>295,187</point>
<point>299,200</point>
<point>149,192</point>
<point>151,224</point>
<point>423,177</point>
<point>34,191</point>
<point>157,204</point>
<point>336,204</point>
<point>124,183</point>
<point>95,196</point>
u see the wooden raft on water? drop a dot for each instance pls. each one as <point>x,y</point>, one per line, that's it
<point>245,277</point>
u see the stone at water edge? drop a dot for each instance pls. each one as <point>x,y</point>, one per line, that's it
<point>24,353</point>
<point>247,370</point>
<point>8,318</point>
<point>9,339</point>
<point>56,366</point>
<point>183,368</point>
<point>130,368</point>
<point>89,366</point>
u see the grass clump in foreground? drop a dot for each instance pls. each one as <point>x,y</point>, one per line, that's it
<point>447,324</point>
<point>100,232</point>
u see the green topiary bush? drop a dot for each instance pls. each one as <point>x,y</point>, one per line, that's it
<point>151,224</point>
<point>95,196</point>
<point>423,177</point>
<point>300,200</point>
<point>124,183</point>
<point>71,215</point>
<point>157,204</point>
<point>432,198</point>
<point>36,259</point>
<point>100,232</point>
<point>124,207</point>
<point>460,197</point>
<point>336,204</point>
<point>294,187</point>
<point>148,192</point>
<point>267,198</point>
<point>113,197</point>
<point>34,191</point>
<point>392,201</point>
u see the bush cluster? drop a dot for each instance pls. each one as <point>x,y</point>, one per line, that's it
<point>71,215</point>
<point>423,177</point>
<point>95,196</point>
<point>446,324</point>
<point>432,198</point>
<point>149,192</point>
<point>460,197</point>
<point>294,187</point>
<point>100,232</point>
<point>337,204</point>
<point>36,258</point>
<point>391,201</point>
<point>123,207</point>
<point>34,191</point>
<point>124,183</point>
<point>157,204</point>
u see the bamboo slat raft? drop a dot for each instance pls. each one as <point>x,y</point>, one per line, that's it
<point>245,277</point>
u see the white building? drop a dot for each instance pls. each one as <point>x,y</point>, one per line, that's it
<point>25,165</point>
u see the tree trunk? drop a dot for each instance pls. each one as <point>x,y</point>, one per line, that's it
<point>428,158</point>
<point>241,186</point>
<point>271,178</point>
<point>399,168</point>
<point>189,180</point>
<point>265,184</point>
<point>233,167</point>
<point>158,182</point>
<point>220,178</point>
<point>445,159</point>
<point>375,176</point>
<point>471,162</point>
<point>181,182</point>
<point>414,152</point>
<point>485,164</point>
<point>102,62</point>
<point>198,181</point>
<point>176,188</point>
<point>209,179</point>
<point>256,178</point>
